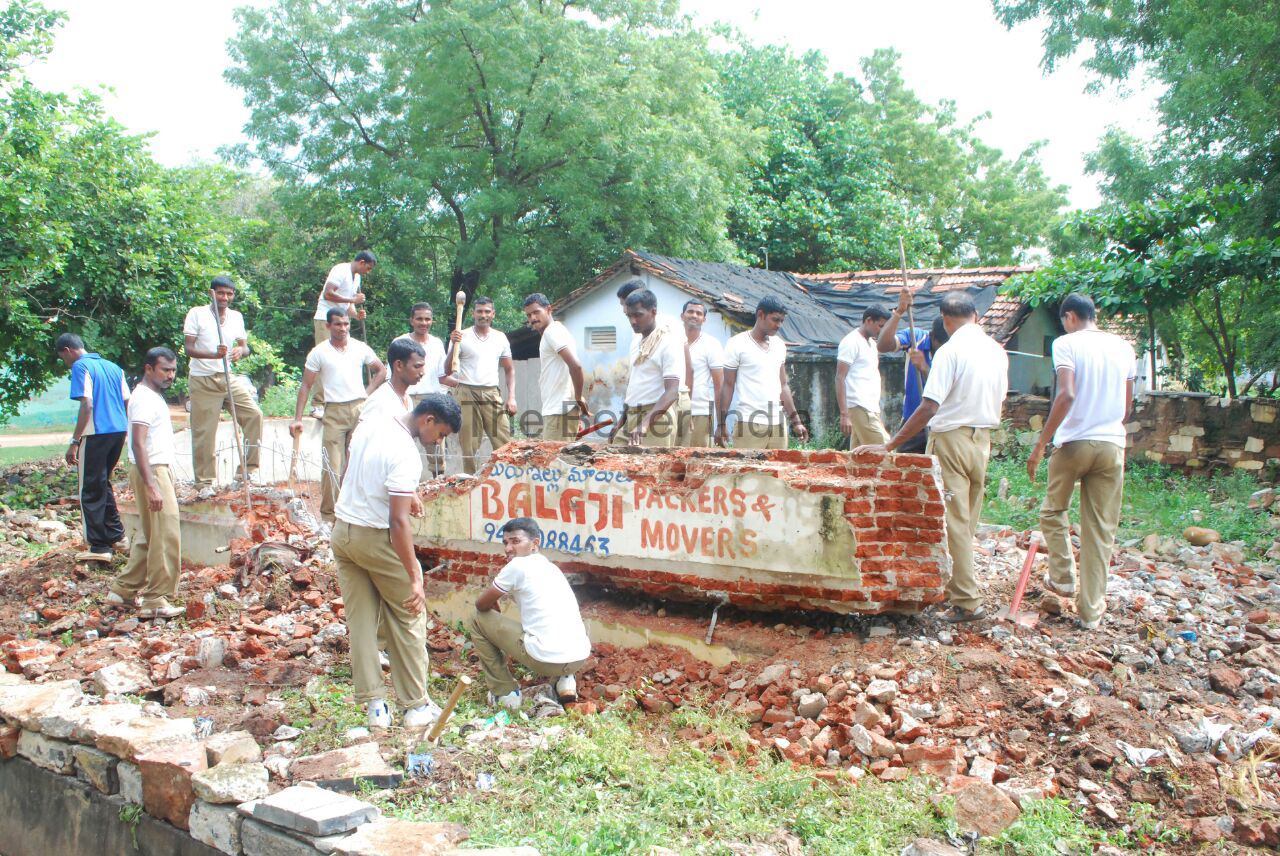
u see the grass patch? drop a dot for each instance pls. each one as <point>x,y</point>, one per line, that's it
<point>1046,828</point>
<point>324,711</point>
<point>10,455</point>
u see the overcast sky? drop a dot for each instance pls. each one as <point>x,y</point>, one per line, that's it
<point>165,59</point>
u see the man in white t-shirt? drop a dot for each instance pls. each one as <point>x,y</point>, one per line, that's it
<point>341,291</point>
<point>207,380</point>
<point>1095,373</point>
<point>706,363</point>
<point>858,380</point>
<point>421,318</point>
<point>962,401</point>
<point>560,375</point>
<point>549,639</point>
<point>155,551</point>
<point>405,364</point>
<point>482,350</point>
<point>755,367</point>
<point>378,571</point>
<point>675,329</point>
<point>653,385</point>
<point>338,363</point>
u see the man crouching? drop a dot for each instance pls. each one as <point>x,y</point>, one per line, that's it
<point>549,639</point>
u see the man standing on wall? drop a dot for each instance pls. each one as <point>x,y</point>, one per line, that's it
<point>673,328</point>
<point>341,291</point>
<point>653,384</point>
<point>96,442</point>
<point>207,381</point>
<point>1095,372</point>
<point>858,381</point>
<point>755,367</point>
<point>421,317</point>
<point>482,350</point>
<point>560,376</point>
<point>920,357</point>
<point>338,362</point>
<point>962,402</point>
<point>706,363</point>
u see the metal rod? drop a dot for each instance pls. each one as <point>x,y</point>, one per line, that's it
<point>911,317</point>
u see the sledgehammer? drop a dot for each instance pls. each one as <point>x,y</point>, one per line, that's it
<point>447,711</point>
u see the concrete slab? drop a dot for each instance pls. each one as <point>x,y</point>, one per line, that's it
<point>313,811</point>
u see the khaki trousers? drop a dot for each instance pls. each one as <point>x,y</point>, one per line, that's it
<point>561,426</point>
<point>483,414</point>
<point>374,587</point>
<point>321,330</point>
<point>1099,468</point>
<point>865,428</point>
<point>661,434</point>
<point>496,638</point>
<point>432,455</point>
<point>208,397</point>
<point>684,419</point>
<point>963,454</point>
<point>758,436</point>
<point>155,551</point>
<point>340,420</point>
<point>699,435</point>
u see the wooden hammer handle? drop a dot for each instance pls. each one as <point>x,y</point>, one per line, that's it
<point>458,690</point>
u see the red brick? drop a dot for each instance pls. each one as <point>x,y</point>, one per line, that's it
<point>166,780</point>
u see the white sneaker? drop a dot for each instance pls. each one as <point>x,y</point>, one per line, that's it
<point>567,688</point>
<point>91,556</point>
<point>383,660</point>
<point>1090,625</point>
<point>117,602</point>
<point>379,715</point>
<point>1065,591</point>
<point>511,701</point>
<point>422,716</point>
<point>162,610</point>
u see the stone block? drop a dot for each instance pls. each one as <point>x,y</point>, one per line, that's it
<point>1181,443</point>
<point>130,779</point>
<point>87,724</point>
<point>232,747</point>
<point>216,825</point>
<point>313,811</point>
<point>339,769</point>
<point>97,767</point>
<point>1190,431</point>
<point>1262,413</point>
<point>231,784</point>
<point>984,809</point>
<point>9,741</point>
<point>25,704</point>
<point>1247,465</point>
<point>260,839</point>
<point>1254,444</point>
<point>401,838</point>
<point>126,676</point>
<point>128,740</point>
<point>166,780</point>
<point>45,752</point>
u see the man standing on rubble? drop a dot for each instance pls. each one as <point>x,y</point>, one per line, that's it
<point>96,443</point>
<point>653,383</point>
<point>421,318</point>
<point>755,367</point>
<point>155,556</point>
<point>675,330</point>
<point>706,369</point>
<point>1095,374</point>
<point>482,350</point>
<point>338,362</point>
<point>378,571</point>
<point>341,291</point>
<point>962,402</point>
<point>560,375</point>
<point>207,380</point>
<point>858,381</point>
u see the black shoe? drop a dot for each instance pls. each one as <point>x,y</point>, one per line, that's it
<point>960,615</point>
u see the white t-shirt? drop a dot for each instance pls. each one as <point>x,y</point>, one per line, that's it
<point>383,462</point>
<point>433,369</point>
<point>1103,363</point>
<point>706,354</point>
<point>862,383</point>
<point>385,403</point>
<point>339,370</point>
<point>147,407</point>
<point>478,358</point>
<point>645,382</point>
<point>968,379</point>
<point>758,387</point>
<point>549,616</point>
<point>675,327</point>
<point>345,283</point>
<point>554,383</point>
<point>200,323</point>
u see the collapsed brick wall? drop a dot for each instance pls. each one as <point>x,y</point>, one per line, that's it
<point>1187,430</point>
<point>686,524</point>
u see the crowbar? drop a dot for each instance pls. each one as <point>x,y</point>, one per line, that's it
<point>594,428</point>
<point>1026,619</point>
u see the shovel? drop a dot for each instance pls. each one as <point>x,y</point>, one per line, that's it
<point>1026,619</point>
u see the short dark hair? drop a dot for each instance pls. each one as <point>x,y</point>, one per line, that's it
<point>418,307</point>
<point>938,335</point>
<point>1079,304</point>
<point>642,297</point>
<point>695,302</point>
<point>527,525</point>
<point>68,342</point>
<point>442,408</point>
<point>537,298</point>
<point>875,312</point>
<point>400,350</point>
<point>222,282</point>
<point>769,305</point>
<point>624,290</point>
<point>334,312</point>
<point>157,354</point>
<point>366,256</point>
<point>482,301</point>
<point>958,304</point>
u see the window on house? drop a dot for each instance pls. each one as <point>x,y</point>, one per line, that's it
<point>602,338</point>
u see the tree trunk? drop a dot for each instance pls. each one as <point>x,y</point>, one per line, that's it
<point>1151,346</point>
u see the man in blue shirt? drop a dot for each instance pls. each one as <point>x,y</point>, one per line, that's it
<point>96,443</point>
<point>921,358</point>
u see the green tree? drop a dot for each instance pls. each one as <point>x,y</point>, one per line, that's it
<point>541,137</point>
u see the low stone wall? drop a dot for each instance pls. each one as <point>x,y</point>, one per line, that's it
<point>770,530</point>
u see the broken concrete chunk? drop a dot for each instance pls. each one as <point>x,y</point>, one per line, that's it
<point>232,747</point>
<point>810,705</point>
<point>401,837</point>
<point>128,740</point>
<point>338,769</point>
<point>984,809</point>
<point>929,847</point>
<point>231,783</point>
<point>882,691</point>
<point>126,677</point>
<point>313,811</point>
<point>44,752</point>
<point>130,779</point>
<point>262,839</point>
<point>26,704</point>
<point>771,674</point>
<point>217,826</point>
